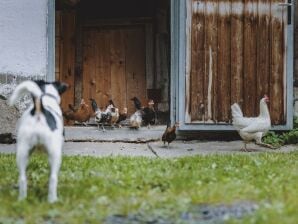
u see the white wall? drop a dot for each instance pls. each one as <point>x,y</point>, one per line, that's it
<point>23,37</point>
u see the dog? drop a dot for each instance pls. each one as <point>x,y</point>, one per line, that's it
<point>40,124</point>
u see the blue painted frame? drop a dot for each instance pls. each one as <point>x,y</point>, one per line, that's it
<point>178,71</point>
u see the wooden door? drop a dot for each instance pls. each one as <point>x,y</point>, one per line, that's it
<point>114,65</point>
<point>236,52</point>
<point>65,53</point>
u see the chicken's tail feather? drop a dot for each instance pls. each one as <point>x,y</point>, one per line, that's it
<point>24,88</point>
<point>94,105</point>
<point>236,111</point>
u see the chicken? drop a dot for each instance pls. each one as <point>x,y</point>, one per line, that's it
<point>82,114</point>
<point>135,120</point>
<point>101,117</point>
<point>137,103</point>
<point>122,117</point>
<point>252,128</point>
<point>114,111</point>
<point>170,134</point>
<point>149,114</point>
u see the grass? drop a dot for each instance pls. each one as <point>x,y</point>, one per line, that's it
<point>91,189</point>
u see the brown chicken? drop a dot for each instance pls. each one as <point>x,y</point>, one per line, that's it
<point>122,117</point>
<point>170,134</point>
<point>82,114</point>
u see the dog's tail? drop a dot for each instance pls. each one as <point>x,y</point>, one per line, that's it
<point>23,88</point>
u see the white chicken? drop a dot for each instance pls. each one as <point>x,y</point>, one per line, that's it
<point>136,119</point>
<point>252,128</point>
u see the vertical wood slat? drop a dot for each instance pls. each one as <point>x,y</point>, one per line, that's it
<point>91,82</point>
<point>224,61</point>
<point>103,68</point>
<point>197,61</point>
<point>57,44</point>
<point>277,64</point>
<point>263,50</point>
<point>135,66</point>
<point>88,64</point>
<point>118,79</point>
<point>210,88</point>
<point>237,48</point>
<point>78,79</point>
<point>250,57</point>
<point>114,65</point>
<point>67,58</point>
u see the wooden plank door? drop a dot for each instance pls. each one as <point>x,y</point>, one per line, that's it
<point>114,65</point>
<point>65,53</point>
<point>236,52</point>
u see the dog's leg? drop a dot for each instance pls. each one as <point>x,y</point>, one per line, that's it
<point>55,162</point>
<point>22,161</point>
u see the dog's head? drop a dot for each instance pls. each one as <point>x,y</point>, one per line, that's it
<point>55,89</point>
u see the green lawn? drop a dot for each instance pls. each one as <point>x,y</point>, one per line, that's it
<point>91,189</point>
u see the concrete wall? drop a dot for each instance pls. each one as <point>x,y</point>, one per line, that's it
<point>296,43</point>
<point>296,59</point>
<point>23,37</point>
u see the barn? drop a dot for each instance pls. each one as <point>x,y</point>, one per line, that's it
<point>193,57</point>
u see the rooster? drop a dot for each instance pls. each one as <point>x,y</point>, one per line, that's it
<point>252,128</point>
<point>101,117</point>
<point>149,114</point>
<point>170,134</point>
<point>82,114</point>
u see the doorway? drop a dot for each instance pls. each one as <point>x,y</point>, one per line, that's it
<point>113,50</point>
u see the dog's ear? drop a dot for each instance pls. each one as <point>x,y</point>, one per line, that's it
<point>60,86</point>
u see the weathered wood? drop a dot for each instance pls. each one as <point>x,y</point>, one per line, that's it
<point>57,44</point>
<point>135,65</point>
<point>277,65</point>
<point>210,87</point>
<point>118,61</point>
<point>250,58</point>
<point>89,63</point>
<point>224,62</point>
<point>237,53</point>
<point>103,68</point>
<point>114,65</point>
<point>78,79</point>
<point>67,57</point>
<point>263,51</point>
<point>197,71</point>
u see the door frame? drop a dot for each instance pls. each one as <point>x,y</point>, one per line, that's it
<point>178,72</point>
<point>50,67</point>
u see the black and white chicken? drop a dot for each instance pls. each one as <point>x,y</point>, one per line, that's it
<point>114,111</point>
<point>101,117</point>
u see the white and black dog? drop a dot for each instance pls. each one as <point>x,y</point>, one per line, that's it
<point>40,124</point>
